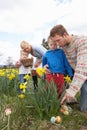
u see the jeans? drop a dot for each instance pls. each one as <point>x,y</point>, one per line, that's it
<point>83,97</point>
<point>22,80</point>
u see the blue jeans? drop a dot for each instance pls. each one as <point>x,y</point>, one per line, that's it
<point>22,80</point>
<point>83,97</point>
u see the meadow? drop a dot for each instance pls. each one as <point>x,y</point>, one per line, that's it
<point>30,110</point>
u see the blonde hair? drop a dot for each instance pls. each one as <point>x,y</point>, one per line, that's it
<point>49,40</point>
<point>23,44</point>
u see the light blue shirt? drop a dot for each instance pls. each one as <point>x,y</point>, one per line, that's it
<point>39,51</point>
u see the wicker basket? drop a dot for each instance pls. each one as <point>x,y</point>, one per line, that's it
<point>27,62</point>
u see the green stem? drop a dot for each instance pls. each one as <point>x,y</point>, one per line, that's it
<point>4,127</point>
<point>8,123</point>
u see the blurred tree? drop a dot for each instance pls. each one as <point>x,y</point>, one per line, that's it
<point>9,62</point>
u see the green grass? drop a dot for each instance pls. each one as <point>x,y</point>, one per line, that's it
<point>35,110</point>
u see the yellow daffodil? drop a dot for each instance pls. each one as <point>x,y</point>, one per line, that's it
<point>15,71</point>
<point>11,76</point>
<point>23,85</point>
<point>67,79</point>
<point>2,72</point>
<point>21,96</point>
<point>26,77</point>
<point>40,71</point>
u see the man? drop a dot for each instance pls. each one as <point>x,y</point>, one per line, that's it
<point>75,48</point>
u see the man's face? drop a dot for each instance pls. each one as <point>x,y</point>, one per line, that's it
<point>60,40</point>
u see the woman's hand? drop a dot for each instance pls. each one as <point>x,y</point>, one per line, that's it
<point>37,63</point>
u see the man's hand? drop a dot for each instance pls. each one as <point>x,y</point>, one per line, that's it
<point>67,98</point>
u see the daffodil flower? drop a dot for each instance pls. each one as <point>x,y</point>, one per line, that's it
<point>26,77</point>
<point>67,79</point>
<point>2,73</point>
<point>21,96</point>
<point>11,76</point>
<point>23,85</point>
<point>40,71</point>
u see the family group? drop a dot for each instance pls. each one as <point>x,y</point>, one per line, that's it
<point>67,54</point>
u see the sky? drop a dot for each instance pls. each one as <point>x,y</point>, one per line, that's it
<point>31,20</point>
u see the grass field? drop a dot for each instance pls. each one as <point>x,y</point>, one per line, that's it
<point>31,110</point>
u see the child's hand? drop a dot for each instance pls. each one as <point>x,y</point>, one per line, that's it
<point>17,64</point>
<point>46,69</point>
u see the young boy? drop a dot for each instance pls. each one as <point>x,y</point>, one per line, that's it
<point>56,61</point>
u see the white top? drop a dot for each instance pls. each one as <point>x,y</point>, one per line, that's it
<point>24,70</point>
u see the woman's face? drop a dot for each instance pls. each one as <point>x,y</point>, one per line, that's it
<point>28,48</point>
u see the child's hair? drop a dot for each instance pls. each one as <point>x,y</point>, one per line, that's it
<point>23,44</point>
<point>49,40</point>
